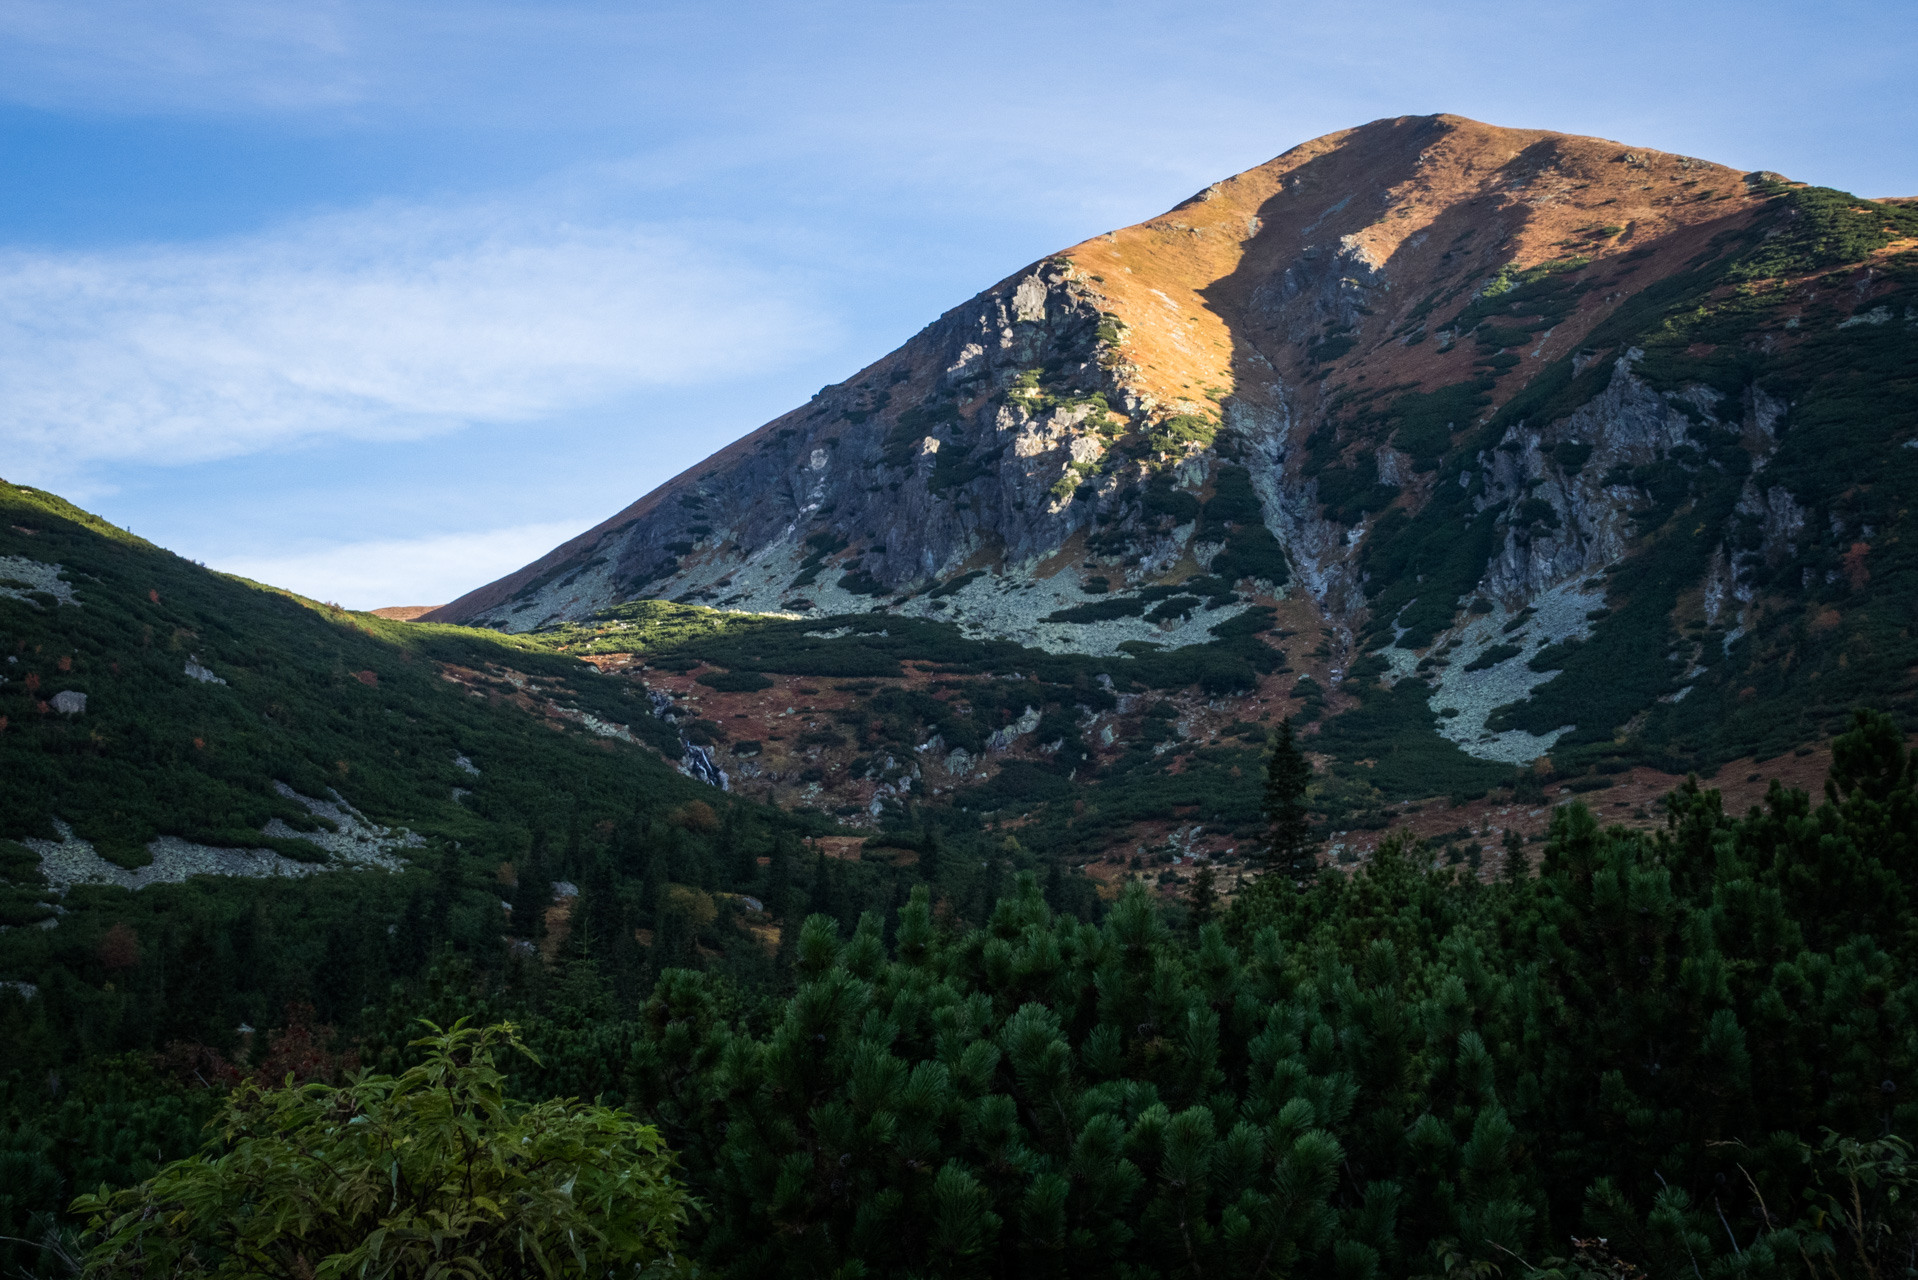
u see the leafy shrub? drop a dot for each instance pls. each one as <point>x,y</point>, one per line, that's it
<point>1099,610</point>
<point>1493,656</point>
<point>1536,511</point>
<point>1233,500</point>
<point>1251,551</point>
<point>953,585</point>
<point>1553,657</point>
<point>1175,607</point>
<point>734,681</point>
<point>1163,498</point>
<point>433,1169</point>
<point>1173,434</point>
<point>1571,456</point>
<point>1329,349</point>
<point>861,583</point>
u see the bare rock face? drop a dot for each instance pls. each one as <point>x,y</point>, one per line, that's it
<point>937,456</point>
<point>1398,371</point>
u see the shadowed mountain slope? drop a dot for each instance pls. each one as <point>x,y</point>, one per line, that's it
<point>1601,446</point>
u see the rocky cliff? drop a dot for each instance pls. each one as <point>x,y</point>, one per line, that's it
<point>1603,449</point>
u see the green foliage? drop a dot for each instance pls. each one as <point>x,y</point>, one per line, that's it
<point>1389,744</point>
<point>1424,422</point>
<point>1571,456</point>
<point>1100,610</point>
<point>1350,492</point>
<point>1163,497</point>
<point>955,467</point>
<point>435,1171</point>
<point>1290,850</point>
<point>1678,1040</point>
<point>314,697</point>
<point>1173,434</point>
<point>1251,551</point>
<point>1524,300</point>
<point>1750,315</point>
<point>1233,500</point>
<point>734,681</point>
<point>954,585</point>
<point>1494,655</point>
<point>1328,349</point>
<point>860,582</point>
<point>822,546</point>
<point>912,426</point>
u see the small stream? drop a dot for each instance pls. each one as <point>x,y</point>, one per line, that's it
<point>697,763</point>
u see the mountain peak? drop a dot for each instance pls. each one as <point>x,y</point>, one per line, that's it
<point>1398,384</point>
<point>1259,288</point>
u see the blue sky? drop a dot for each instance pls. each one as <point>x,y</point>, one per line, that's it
<point>379,301</point>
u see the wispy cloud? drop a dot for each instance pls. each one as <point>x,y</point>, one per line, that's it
<point>188,53</point>
<point>400,571</point>
<point>384,324</point>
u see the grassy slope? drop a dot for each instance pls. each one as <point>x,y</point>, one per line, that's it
<point>158,753</point>
<point>315,697</point>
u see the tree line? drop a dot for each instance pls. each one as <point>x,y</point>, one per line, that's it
<point>1675,1053</point>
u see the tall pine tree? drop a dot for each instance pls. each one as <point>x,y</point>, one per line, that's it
<point>1515,866</point>
<point>1202,899</point>
<point>1290,850</point>
<point>532,893</point>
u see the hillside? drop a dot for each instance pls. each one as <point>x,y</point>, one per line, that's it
<point>224,807</point>
<point>1523,460</point>
<point>208,761</point>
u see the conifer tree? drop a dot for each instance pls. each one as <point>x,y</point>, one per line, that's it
<point>672,939</point>
<point>1202,899</point>
<point>779,879</point>
<point>532,891</point>
<point>929,857</point>
<point>1515,866</point>
<point>596,913</point>
<point>1290,850</point>
<point>825,900</point>
<point>652,890</point>
<point>738,850</point>
<point>575,846</point>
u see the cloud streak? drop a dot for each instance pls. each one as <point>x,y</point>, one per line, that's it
<point>384,324</point>
<point>401,571</point>
<point>132,54</point>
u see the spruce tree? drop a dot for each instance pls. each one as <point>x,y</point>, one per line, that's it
<point>532,891</point>
<point>739,855</point>
<point>653,889</point>
<point>1290,850</point>
<point>929,856</point>
<point>1202,899</point>
<point>1515,866</point>
<point>825,901</point>
<point>596,913</point>
<point>779,879</point>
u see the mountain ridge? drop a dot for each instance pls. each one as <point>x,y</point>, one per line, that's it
<point>1553,428</point>
<point>1162,355</point>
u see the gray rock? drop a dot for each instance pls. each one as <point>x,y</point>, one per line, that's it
<point>35,576</point>
<point>195,671</point>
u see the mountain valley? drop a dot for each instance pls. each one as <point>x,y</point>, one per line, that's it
<point>889,816</point>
